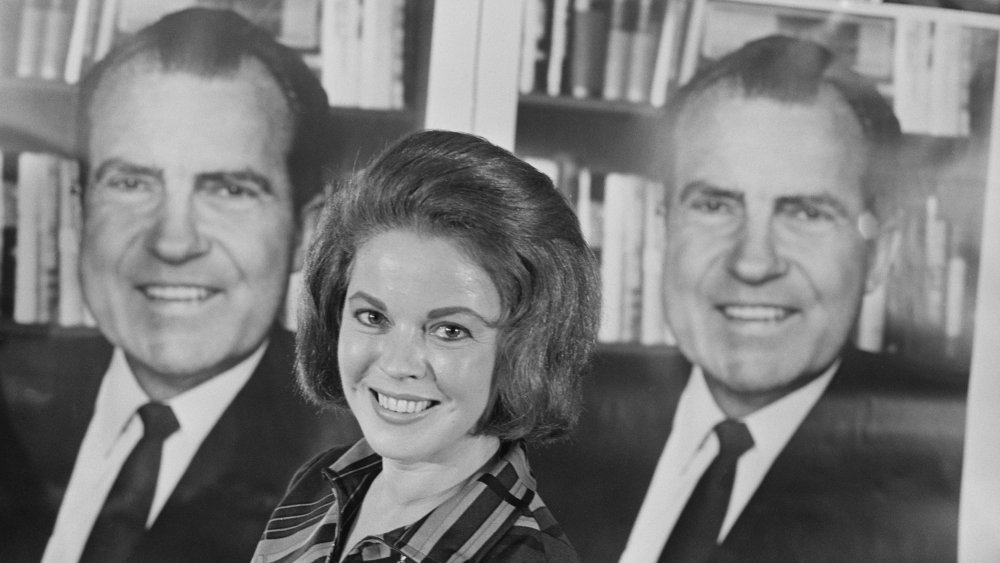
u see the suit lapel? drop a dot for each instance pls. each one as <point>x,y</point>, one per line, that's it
<point>239,473</point>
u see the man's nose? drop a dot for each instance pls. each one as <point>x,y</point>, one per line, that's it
<point>755,257</point>
<point>403,354</point>
<point>176,233</point>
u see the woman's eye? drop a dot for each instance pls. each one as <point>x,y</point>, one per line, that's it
<point>451,332</point>
<point>370,318</point>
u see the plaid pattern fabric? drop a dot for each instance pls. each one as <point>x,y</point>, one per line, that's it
<point>495,517</point>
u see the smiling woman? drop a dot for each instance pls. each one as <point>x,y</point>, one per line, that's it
<point>452,303</point>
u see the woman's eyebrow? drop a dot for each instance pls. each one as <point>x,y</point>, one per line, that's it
<point>370,299</point>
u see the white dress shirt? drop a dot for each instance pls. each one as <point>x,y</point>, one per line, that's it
<point>693,445</point>
<point>113,432</point>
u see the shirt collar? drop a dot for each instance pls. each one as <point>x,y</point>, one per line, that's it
<point>197,409</point>
<point>484,506</point>
<point>771,426</point>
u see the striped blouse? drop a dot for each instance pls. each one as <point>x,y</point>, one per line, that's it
<point>497,516</point>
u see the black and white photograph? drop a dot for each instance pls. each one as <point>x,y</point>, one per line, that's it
<point>628,281</point>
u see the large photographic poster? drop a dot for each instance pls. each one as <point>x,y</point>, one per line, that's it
<point>940,307</point>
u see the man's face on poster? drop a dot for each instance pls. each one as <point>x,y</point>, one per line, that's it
<point>765,264</point>
<point>188,222</point>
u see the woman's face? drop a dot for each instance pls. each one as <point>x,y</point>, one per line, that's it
<point>418,342</point>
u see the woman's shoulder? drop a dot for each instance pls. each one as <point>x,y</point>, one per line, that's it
<point>534,534</point>
<point>534,537</point>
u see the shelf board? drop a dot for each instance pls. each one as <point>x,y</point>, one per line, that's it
<point>9,327</point>
<point>359,134</point>
<point>37,115</point>
<point>605,136</point>
<point>589,105</point>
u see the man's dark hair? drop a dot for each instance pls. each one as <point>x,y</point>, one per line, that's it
<point>512,222</point>
<point>214,43</point>
<point>794,71</point>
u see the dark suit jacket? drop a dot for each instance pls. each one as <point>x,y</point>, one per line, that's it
<point>872,474</point>
<point>223,500</point>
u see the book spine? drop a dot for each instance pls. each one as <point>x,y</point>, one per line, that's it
<point>643,51</point>
<point>55,39</point>
<point>533,53</point>
<point>612,258</point>
<point>397,95</point>
<point>47,229</point>
<point>71,308</point>
<point>339,51</point>
<point>666,49</point>
<point>870,333</point>
<point>632,220</point>
<point>559,23</point>
<point>78,38</point>
<point>616,61</point>
<point>589,40</point>
<point>298,25</point>
<point>30,175</point>
<point>106,28</point>
<point>583,205</point>
<point>9,250</point>
<point>29,44</point>
<point>653,246</point>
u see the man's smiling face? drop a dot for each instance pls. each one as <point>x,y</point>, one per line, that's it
<point>188,222</point>
<point>765,267</point>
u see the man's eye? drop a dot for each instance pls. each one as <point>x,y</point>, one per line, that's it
<point>123,183</point>
<point>230,189</point>
<point>450,332</point>
<point>711,205</point>
<point>808,213</point>
<point>371,318</point>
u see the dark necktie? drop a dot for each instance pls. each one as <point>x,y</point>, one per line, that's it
<point>122,520</point>
<point>694,536</point>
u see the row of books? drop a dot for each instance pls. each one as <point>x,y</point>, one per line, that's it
<point>925,67</point>
<point>922,309</point>
<point>929,300</point>
<point>619,217</point>
<point>41,239</point>
<point>363,52</point>
<point>59,39</point>
<point>622,50</point>
<point>356,46</point>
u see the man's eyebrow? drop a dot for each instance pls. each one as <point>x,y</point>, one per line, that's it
<point>246,175</point>
<point>825,200</point>
<point>704,188</point>
<point>121,165</point>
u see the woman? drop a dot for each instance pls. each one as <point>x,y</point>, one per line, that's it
<point>451,301</point>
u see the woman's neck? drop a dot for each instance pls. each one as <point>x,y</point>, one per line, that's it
<point>404,492</point>
<point>406,483</point>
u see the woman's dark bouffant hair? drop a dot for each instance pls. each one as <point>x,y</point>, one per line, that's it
<point>513,223</point>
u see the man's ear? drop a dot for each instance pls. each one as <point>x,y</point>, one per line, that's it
<point>308,221</point>
<point>883,250</point>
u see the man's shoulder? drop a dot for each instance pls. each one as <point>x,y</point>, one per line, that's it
<point>42,366</point>
<point>891,375</point>
<point>273,405</point>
